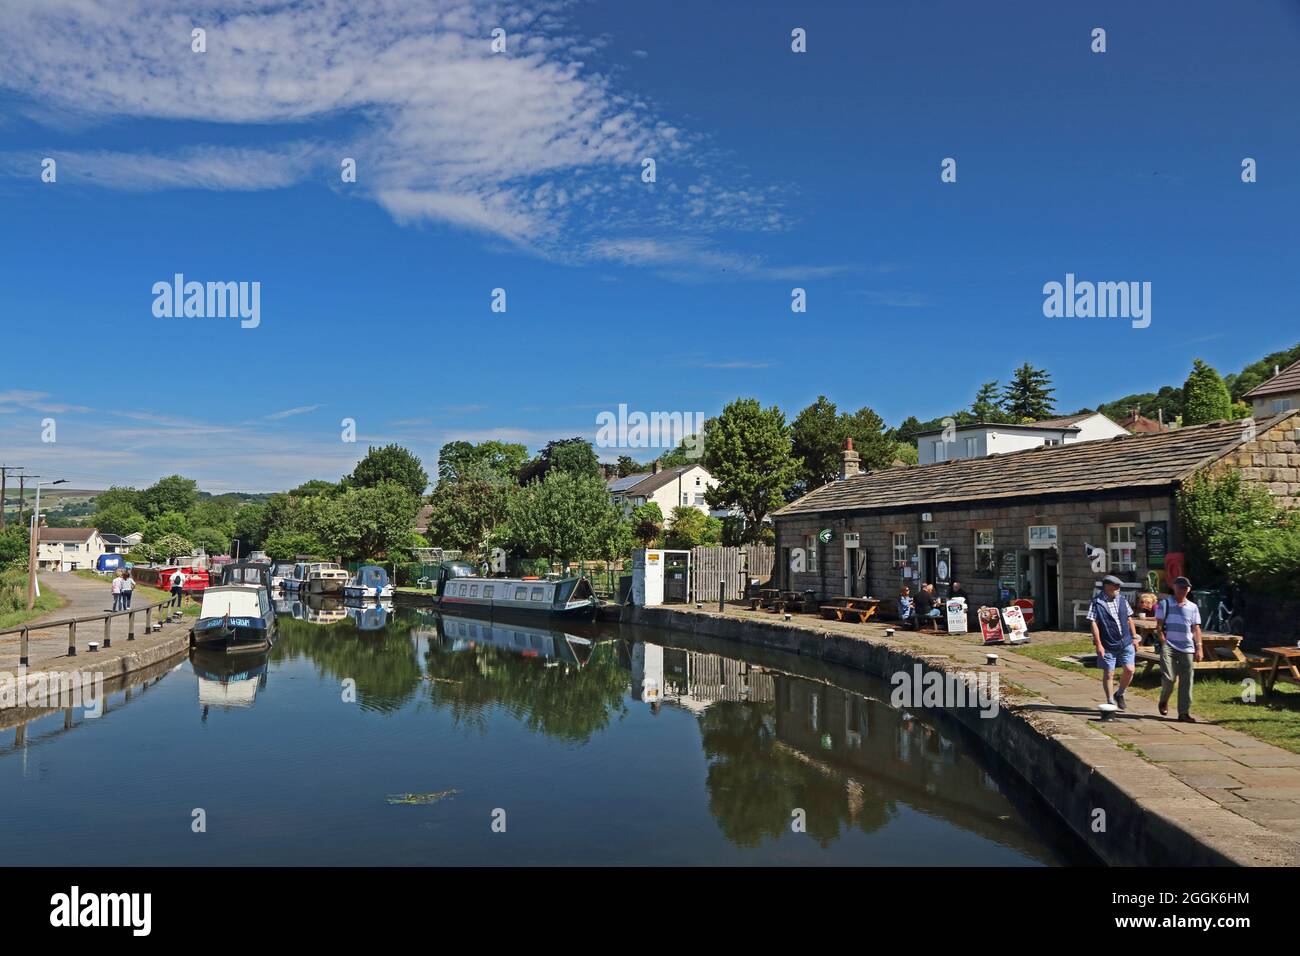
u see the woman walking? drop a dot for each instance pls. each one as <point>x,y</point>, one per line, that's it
<point>117,592</point>
<point>128,585</point>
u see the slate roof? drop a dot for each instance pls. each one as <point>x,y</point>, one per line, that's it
<point>627,481</point>
<point>647,484</point>
<point>1287,380</point>
<point>66,534</point>
<point>1127,461</point>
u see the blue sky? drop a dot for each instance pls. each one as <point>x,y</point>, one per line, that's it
<point>522,170</point>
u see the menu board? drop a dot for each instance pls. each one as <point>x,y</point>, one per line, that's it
<point>1157,534</point>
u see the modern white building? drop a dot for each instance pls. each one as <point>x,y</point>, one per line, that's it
<point>667,487</point>
<point>68,549</point>
<point>980,439</point>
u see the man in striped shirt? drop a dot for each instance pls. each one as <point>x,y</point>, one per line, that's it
<point>1180,640</point>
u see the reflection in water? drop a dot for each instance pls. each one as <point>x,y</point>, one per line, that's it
<point>228,680</point>
<point>707,754</point>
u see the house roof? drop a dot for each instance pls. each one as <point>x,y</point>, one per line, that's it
<point>627,481</point>
<point>1127,461</point>
<point>649,484</point>
<point>1287,380</point>
<point>1136,422</point>
<point>1069,419</point>
<point>66,534</point>
<point>1004,426</point>
<point>112,538</point>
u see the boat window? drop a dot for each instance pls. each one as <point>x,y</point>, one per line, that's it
<point>521,594</point>
<point>537,594</point>
<point>564,590</point>
<point>488,590</point>
<point>473,590</point>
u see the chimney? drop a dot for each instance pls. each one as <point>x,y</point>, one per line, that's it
<point>849,465</point>
<point>658,466</point>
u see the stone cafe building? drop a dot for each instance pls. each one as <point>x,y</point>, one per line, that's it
<point>1027,524</point>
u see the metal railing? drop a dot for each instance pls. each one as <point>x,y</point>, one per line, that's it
<point>105,616</point>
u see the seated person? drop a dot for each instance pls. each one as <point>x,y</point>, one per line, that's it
<point>906,612</point>
<point>927,606</point>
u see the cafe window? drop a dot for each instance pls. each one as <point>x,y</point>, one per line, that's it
<point>900,548</point>
<point>984,560</point>
<point>810,545</point>
<point>929,537</point>
<point>1121,547</point>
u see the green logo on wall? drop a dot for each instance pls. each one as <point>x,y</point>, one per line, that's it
<point>824,536</point>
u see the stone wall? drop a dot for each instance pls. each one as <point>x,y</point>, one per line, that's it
<point>1273,459</point>
<point>1078,521</point>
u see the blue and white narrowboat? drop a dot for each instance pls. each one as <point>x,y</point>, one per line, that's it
<point>566,597</point>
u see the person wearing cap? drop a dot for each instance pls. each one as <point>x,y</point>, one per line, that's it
<point>1180,648</point>
<point>1114,636</point>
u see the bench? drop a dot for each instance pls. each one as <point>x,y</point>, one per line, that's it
<point>1220,653</point>
<point>859,610</point>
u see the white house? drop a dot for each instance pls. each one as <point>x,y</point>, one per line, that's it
<point>68,549</point>
<point>667,487</point>
<point>980,439</point>
<point>1281,393</point>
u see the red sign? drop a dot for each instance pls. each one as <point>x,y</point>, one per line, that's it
<point>991,625</point>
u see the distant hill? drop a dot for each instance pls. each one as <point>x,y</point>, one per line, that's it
<point>1169,399</point>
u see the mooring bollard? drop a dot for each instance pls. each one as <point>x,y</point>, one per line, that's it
<point>108,635</point>
<point>130,626</point>
<point>722,597</point>
<point>22,649</point>
<point>93,646</point>
<point>72,638</point>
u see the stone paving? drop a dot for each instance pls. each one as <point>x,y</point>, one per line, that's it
<point>1252,779</point>
<point>48,647</point>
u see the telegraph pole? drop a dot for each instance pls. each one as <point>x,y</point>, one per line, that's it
<point>4,474</point>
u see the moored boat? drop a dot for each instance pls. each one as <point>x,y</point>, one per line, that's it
<point>370,582</point>
<point>531,597</point>
<point>237,613</point>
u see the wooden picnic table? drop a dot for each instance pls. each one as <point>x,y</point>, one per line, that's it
<point>850,608</point>
<point>777,600</point>
<point>1284,666</point>
<point>1220,652</point>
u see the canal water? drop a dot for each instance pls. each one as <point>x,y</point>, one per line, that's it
<point>409,737</point>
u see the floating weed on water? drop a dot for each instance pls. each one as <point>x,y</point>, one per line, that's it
<point>419,799</point>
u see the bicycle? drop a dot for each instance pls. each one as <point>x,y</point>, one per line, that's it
<point>1224,616</point>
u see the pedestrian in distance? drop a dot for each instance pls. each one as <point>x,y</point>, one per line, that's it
<point>117,591</point>
<point>178,586</point>
<point>128,586</point>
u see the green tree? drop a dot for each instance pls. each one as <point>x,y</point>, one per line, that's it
<point>987,406</point>
<point>390,463</point>
<point>118,496</point>
<point>459,458</point>
<point>574,455</point>
<point>248,527</point>
<point>168,546</point>
<point>1238,533</point>
<point>211,540</point>
<point>468,510</point>
<point>556,517</point>
<point>1257,373</point>
<point>14,543</point>
<point>1028,396</point>
<point>747,449</point>
<point>1205,396</point>
<point>372,522</point>
<point>119,519</point>
<point>287,545</point>
<point>647,523</point>
<point>692,528</point>
<point>168,523</point>
<point>317,486</point>
<point>173,493</point>
<point>817,438</point>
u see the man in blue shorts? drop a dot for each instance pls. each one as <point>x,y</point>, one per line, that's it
<point>1180,648</point>
<point>1113,636</point>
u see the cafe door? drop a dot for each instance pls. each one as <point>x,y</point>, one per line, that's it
<point>929,569</point>
<point>855,567</point>
<point>1045,582</point>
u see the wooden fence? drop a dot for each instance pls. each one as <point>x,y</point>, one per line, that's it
<point>710,567</point>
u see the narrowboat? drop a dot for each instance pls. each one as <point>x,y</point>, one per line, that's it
<point>236,614</point>
<point>280,570</point>
<point>228,682</point>
<point>531,597</point>
<point>370,582</point>
<point>458,634</point>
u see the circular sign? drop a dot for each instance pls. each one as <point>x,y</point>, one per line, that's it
<point>943,570</point>
<point>824,535</point>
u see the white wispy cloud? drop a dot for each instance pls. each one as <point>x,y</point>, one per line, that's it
<point>289,412</point>
<point>537,146</point>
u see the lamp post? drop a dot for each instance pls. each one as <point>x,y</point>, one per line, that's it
<point>32,587</point>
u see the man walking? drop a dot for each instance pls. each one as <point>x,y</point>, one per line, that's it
<point>1180,640</point>
<point>1113,637</point>
<point>178,586</point>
